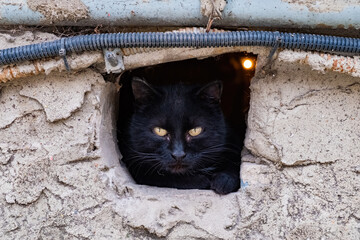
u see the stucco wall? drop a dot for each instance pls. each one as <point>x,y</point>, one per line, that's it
<point>60,176</point>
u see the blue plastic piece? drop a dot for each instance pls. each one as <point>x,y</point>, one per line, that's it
<point>306,42</point>
<point>243,184</point>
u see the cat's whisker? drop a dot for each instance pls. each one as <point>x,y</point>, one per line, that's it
<point>140,162</point>
<point>159,172</point>
<point>139,158</point>
<point>220,151</point>
<point>137,152</point>
<point>153,168</point>
<point>138,166</point>
<point>224,146</point>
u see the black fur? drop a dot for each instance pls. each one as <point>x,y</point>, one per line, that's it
<point>211,160</point>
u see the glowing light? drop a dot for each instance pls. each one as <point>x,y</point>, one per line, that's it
<point>248,64</point>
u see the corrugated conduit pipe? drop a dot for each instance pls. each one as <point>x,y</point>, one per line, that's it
<point>77,44</point>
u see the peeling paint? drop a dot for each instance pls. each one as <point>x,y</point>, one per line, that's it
<point>58,11</point>
<point>207,7</point>
<point>322,6</point>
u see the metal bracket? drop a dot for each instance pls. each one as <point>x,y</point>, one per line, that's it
<point>274,49</point>
<point>114,62</point>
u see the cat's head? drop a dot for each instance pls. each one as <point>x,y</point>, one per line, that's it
<point>178,129</point>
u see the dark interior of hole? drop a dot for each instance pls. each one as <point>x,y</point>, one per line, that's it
<point>227,68</point>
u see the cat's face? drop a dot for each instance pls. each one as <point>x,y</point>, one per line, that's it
<point>178,129</point>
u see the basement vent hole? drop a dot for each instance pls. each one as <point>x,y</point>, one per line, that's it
<point>157,135</point>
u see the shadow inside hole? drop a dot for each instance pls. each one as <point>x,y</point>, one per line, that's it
<point>227,68</point>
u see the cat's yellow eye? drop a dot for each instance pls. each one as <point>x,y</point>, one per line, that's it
<point>160,131</point>
<point>195,131</point>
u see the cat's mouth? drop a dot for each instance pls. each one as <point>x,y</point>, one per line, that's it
<point>178,168</point>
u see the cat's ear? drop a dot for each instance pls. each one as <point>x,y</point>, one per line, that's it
<point>211,92</point>
<point>142,91</point>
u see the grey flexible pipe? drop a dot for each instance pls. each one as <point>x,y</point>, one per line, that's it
<point>77,44</point>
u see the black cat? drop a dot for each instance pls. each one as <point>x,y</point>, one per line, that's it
<point>177,137</point>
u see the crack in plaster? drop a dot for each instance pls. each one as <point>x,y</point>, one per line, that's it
<point>13,106</point>
<point>47,94</point>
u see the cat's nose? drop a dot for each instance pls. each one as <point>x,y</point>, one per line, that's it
<point>178,155</point>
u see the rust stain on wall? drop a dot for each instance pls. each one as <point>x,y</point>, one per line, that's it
<point>322,6</point>
<point>27,69</point>
<point>58,11</point>
<point>322,62</point>
<point>9,72</point>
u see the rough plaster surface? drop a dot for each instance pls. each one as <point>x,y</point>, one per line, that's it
<point>312,117</point>
<point>60,176</point>
<point>24,38</point>
<point>52,95</point>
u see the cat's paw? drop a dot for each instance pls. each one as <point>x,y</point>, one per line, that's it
<point>224,183</point>
<point>200,182</point>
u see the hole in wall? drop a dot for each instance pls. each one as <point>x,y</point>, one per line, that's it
<point>234,70</point>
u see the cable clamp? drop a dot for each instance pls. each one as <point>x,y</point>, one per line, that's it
<point>62,53</point>
<point>275,47</point>
<point>266,68</point>
<point>114,62</point>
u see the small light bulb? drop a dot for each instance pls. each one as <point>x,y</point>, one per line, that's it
<point>247,64</point>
